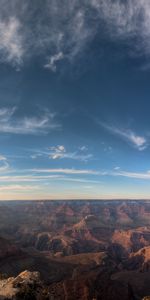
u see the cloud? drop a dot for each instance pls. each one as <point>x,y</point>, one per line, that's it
<point>79,180</point>
<point>26,125</point>
<point>64,29</point>
<point>28,178</point>
<point>52,61</point>
<point>4,165</point>
<point>60,152</point>
<point>42,175</point>
<point>66,171</point>
<point>116,168</point>
<point>83,148</point>
<point>136,175</point>
<point>18,188</point>
<point>116,172</point>
<point>75,28</point>
<point>2,158</point>
<point>43,178</point>
<point>57,152</point>
<point>11,46</point>
<point>55,30</point>
<point>128,20</point>
<point>139,142</point>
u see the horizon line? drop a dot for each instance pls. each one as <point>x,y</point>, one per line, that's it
<point>78,199</point>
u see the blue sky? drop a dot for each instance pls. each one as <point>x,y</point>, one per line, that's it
<point>74,99</point>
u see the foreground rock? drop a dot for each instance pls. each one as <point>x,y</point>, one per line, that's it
<point>26,285</point>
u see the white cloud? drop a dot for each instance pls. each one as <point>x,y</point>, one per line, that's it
<point>75,27</point>
<point>60,152</point>
<point>4,165</point>
<point>83,148</point>
<point>41,175</point>
<point>44,178</point>
<point>52,61</point>
<point>28,178</point>
<point>116,168</point>
<point>136,175</point>
<point>126,19</point>
<point>60,30</point>
<point>57,152</point>
<point>2,158</point>
<point>79,180</point>
<point>18,188</point>
<point>11,45</point>
<point>61,148</point>
<point>26,125</point>
<point>36,155</point>
<point>66,171</point>
<point>139,142</point>
<point>63,29</point>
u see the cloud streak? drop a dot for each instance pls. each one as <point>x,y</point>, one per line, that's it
<point>28,178</point>
<point>137,141</point>
<point>66,171</point>
<point>33,125</point>
<point>43,178</point>
<point>18,188</point>
<point>60,174</point>
<point>136,175</point>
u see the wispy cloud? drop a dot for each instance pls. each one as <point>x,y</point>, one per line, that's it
<point>113,173</point>
<point>128,20</point>
<point>4,165</point>
<point>2,158</point>
<point>138,141</point>
<point>117,168</point>
<point>18,188</point>
<point>136,175</point>
<point>60,152</point>
<point>64,28</point>
<point>11,44</point>
<point>44,178</point>
<point>9,123</point>
<point>79,180</point>
<point>28,178</point>
<point>57,152</point>
<point>52,61</point>
<point>66,171</point>
<point>60,30</point>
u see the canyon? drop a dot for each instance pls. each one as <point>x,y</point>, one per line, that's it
<point>75,250</point>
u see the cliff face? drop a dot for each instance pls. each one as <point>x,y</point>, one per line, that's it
<point>7,248</point>
<point>26,285</point>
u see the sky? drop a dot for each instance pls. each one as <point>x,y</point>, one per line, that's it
<point>74,99</point>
